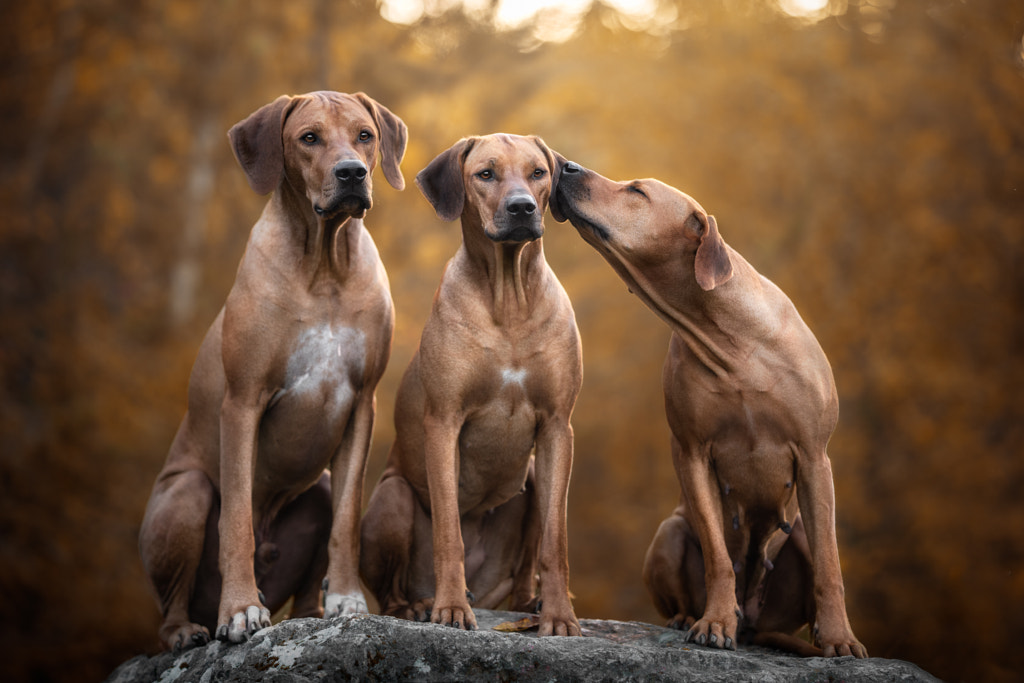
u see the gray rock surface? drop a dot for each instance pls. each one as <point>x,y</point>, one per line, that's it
<point>374,648</point>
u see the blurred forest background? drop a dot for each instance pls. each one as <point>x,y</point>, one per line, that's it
<point>867,156</point>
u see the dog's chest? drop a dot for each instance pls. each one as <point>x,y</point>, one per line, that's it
<point>325,365</point>
<point>500,428</point>
<point>509,388</point>
<point>513,379</point>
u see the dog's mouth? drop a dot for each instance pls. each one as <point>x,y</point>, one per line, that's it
<point>518,233</point>
<point>588,228</point>
<point>566,197</point>
<point>353,205</point>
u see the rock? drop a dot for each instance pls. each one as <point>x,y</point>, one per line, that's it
<point>375,648</point>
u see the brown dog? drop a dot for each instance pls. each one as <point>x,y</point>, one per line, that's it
<point>751,405</point>
<point>463,504</point>
<point>283,385</point>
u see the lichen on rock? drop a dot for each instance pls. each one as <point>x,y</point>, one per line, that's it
<point>375,648</point>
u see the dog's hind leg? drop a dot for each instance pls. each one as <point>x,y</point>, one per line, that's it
<point>386,544</point>
<point>171,545</point>
<point>292,560</point>
<point>673,572</point>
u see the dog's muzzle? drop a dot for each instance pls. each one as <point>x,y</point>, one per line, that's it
<point>519,220</point>
<point>351,194</point>
<point>568,186</point>
<point>572,190</point>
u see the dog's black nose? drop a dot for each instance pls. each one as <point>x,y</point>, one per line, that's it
<point>350,171</point>
<point>520,205</point>
<point>571,167</point>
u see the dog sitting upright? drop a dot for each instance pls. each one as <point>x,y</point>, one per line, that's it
<point>463,505</point>
<point>751,404</point>
<point>243,515</point>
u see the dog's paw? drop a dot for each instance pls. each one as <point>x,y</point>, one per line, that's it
<point>854,648</point>
<point>422,609</point>
<point>842,643</point>
<point>180,638</point>
<point>712,632</point>
<point>243,625</point>
<point>457,613</point>
<point>563,625</point>
<point>531,604</point>
<point>337,604</point>
<point>680,622</point>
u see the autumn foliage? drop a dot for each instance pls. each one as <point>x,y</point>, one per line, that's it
<point>871,164</point>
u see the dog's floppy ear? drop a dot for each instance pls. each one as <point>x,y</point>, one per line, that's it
<point>393,137</point>
<point>441,181</point>
<point>556,175</point>
<point>256,141</point>
<point>711,266</point>
<point>555,163</point>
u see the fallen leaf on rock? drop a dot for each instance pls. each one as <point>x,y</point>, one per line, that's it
<point>524,624</point>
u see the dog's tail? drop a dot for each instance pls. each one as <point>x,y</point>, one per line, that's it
<point>788,643</point>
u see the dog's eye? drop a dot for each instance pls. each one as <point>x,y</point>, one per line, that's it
<point>310,138</point>
<point>539,173</point>
<point>486,174</point>
<point>365,136</point>
<point>636,189</point>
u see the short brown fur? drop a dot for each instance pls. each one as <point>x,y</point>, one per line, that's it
<point>283,386</point>
<point>463,504</point>
<point>751,404</point>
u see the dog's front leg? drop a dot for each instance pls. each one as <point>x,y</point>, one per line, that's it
<point>451,604</point>
<point>342,594</point>
<point>817,507</point>
<point>553,466</point>
<point>703,511</point>
<point>241,613</point>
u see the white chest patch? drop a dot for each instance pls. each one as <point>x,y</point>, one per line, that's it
<point>324,362</point>
<point>513,376</point>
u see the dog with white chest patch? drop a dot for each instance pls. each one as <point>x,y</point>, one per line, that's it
<point>243,515</point>
<point>464,512</point>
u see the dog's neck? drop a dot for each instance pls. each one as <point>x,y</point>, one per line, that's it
<point>319,247</point>
<point>687,309</point>
<point>697,331</point>
<point>334,242</point>
<point>509,268</point>
<point>507,276</point>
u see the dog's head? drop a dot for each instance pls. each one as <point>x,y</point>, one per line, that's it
<point>643,226</point>
<point>501,182</point>
<point>325,145</point>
